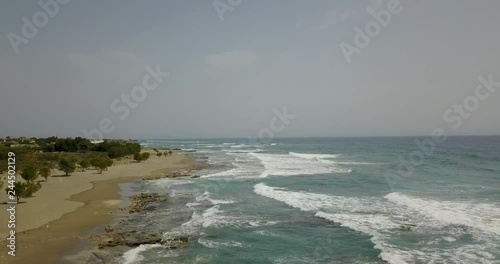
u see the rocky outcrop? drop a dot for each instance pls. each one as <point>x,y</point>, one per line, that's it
<point>136,226</point>
<point>175,174</point>
<point>142,201</point>
<point>126,234</point>
<point>134,239</point>
<point>178,242</point>
<point>407,227</point>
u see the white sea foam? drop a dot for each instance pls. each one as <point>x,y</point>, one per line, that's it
<point>167,183</point>
<point>374,225</point>
<point>485,217</point>
<point>265,233</point>
<point>251,164</point>
<point>230,151</point>
<point>288,165</point>
<point>230,172</point>
<point>239,146</point>
<point>214,244</point>
<point>241,171</point>
<point>199,220</point>
<point>189,149</point>
<point>215,201</point>
<point>211,217</point>
<point>188,228</point>
<point>302,201</point>
<point>207,151</point>
<point>215,217</point>
<point>206,197</point>
<point>134,255</point>
<point>355,163</point>
<point>312,202</point>
<point>381,218</point>
<point>257,223</point>
<point>314,156</point>
<point>245,166</point>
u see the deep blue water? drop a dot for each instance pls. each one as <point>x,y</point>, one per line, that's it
<point>332,200</point>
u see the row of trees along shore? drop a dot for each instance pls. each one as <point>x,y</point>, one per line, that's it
<point>37,158</point>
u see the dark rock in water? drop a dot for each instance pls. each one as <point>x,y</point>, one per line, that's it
<point>178,242</point>
<point>137,226</point>
<point>195,176</point>
<point>175,174</point>
<point>141,201</point>
<point>130,239</point>
<point>136,239</point>
<point>407,227</point>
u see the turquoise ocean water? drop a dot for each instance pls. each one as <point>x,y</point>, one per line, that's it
<point>331,200</point>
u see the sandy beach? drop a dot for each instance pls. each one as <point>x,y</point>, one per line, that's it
<point>62,212</point>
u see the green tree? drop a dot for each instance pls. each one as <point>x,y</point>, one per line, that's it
<point>84,164</point>
<point>23,189</point>
<point>137,157</point>
<point>170,153</point>
<point>159,154</point>
<point>32,188</point>
<point>67,166</point>
<point>145,155</point>
<point>101,163</point>
<point>19,190</point>
<point>133,148</point>
<point>44,172</point>
<point>141,156</point>
<point>29,173</point>
<point>117,151</point>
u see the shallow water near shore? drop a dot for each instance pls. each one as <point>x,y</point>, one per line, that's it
<point>332,200</point>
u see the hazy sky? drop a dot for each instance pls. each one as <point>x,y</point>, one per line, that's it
<point>227,76</point>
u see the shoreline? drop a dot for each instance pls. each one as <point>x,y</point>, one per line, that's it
<point>55,240</point>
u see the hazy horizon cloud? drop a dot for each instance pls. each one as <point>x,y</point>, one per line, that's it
<point>226,76</point>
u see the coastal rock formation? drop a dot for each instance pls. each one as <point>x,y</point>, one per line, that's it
<point>130,239</point>
<point>133,228</point>
<point>141,201</point>
<point>134,239</point>
<point>175,174</point>
<point>126,234</point>
<point>407,227</point>
<point>178,242</point>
